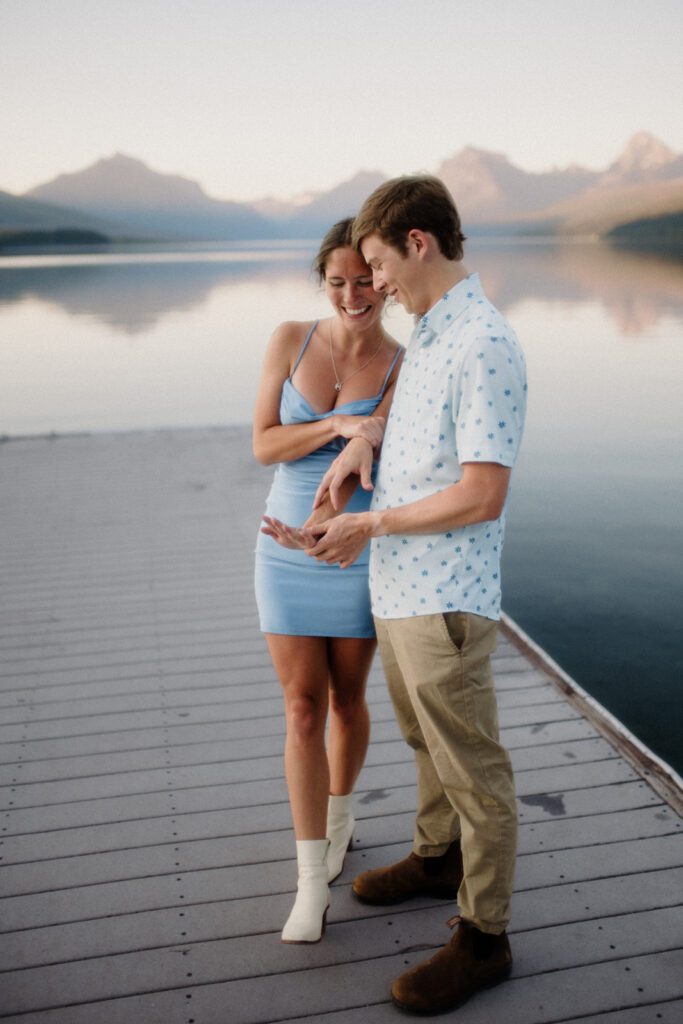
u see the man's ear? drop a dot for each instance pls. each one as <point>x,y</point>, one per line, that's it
<point>419,241</point>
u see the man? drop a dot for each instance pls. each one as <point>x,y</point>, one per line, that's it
<point>436,522</point>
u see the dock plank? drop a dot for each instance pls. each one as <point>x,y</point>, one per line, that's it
<point>146,853</point>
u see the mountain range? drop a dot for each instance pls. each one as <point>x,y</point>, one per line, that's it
<point>124,198</point>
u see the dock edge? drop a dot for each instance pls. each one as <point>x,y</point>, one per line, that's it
<point>656,772</point>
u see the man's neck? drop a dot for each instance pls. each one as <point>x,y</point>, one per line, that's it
<point>444,276</point>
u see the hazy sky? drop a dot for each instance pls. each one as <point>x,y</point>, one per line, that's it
<point>276,97</point>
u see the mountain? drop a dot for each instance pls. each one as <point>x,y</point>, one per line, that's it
<point>489,189</point>
<point>600,209</point>
<point>492,194</point>
<point>645,181</point>
<point>141,201</point>
<point>20,214</point>
<point>645,159</point>
<point>312,219</point>
<point>122,196</point>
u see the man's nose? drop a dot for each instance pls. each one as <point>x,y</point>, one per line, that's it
<point>377,283</point>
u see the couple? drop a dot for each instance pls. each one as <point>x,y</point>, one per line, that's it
<point>453,405</point>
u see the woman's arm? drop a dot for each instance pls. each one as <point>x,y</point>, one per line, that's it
<point>273,442</point>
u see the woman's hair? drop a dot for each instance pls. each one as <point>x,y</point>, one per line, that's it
<point>415,201</point>
<point>338,237</point>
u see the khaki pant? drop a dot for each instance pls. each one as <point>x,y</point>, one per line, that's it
<point>439,677</point>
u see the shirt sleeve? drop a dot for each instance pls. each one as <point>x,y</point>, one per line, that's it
<point>489,401</point>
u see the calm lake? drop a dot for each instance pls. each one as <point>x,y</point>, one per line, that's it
<point>594,551</point>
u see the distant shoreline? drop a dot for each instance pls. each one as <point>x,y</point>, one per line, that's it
<point>661,235</point>
<point>15,243</point>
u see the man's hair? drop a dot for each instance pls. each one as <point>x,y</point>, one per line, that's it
<point>402,204</point>
<point>338,237</point>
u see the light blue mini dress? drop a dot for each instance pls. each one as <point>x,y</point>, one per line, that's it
<point>296,594</point>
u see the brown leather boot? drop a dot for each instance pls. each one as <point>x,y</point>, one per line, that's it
<point>414,876</point>
<point>471,961</point>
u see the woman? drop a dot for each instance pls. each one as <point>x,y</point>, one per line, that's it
<point>321,384</point>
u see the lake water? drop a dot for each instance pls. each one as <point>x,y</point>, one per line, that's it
<point>594,552</point>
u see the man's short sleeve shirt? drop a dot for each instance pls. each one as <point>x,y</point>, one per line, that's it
<point>460,397</point>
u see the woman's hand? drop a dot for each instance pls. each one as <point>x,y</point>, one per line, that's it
<point>293,537</point>
<point>370,428</point>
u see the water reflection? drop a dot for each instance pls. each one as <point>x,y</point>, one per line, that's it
<point>131,294</point>
<point>635,290</point>
<point>130,297</point>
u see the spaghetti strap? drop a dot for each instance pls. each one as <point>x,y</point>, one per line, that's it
<point>303,348</point>
<point>390,370</point>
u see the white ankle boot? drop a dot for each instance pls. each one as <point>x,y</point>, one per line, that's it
<point>306,923</point>
<point>340,825</point>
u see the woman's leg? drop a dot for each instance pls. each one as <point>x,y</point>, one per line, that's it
<point>302,667</point>
<point>301,664</point>
<point>350,660</point>
<point>349,733</point>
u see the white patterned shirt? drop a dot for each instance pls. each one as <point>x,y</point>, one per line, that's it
<point>460,397</point>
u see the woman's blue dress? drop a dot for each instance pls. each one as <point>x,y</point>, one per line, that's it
<point>296,594</point>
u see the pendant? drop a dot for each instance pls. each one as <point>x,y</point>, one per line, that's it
<point>337,386</point>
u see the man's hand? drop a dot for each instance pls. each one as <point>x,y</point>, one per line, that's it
<point>343,538</point>
<point>356,458</point>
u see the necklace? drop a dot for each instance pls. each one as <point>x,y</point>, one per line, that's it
<point>339,383</point>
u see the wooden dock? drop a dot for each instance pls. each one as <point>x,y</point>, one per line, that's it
<point>146,848</point>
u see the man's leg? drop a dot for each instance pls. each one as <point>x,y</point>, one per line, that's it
<point>445,663</point>
<point>435,866</point>
<point>436,821</point>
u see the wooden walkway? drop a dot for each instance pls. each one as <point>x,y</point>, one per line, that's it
<point>147,855</point>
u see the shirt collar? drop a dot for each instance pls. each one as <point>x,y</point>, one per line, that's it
<point>447,309</point>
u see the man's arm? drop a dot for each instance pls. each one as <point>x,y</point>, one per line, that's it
<point>327,508</point>
<point>357,457</point>
<point>479,496</point>
<point>355,460</point>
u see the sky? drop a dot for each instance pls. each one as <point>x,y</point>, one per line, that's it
<point>255,98</point>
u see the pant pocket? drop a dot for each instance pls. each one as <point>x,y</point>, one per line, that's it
<point>455,628</point>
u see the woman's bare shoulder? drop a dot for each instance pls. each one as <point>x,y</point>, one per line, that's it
<point>292,330</point>
<point>289,336</point>
<point>396,353</point>
<point>395,347</point>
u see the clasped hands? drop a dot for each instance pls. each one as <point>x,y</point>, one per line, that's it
<point>339,538</point>
<point>370,428</point>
